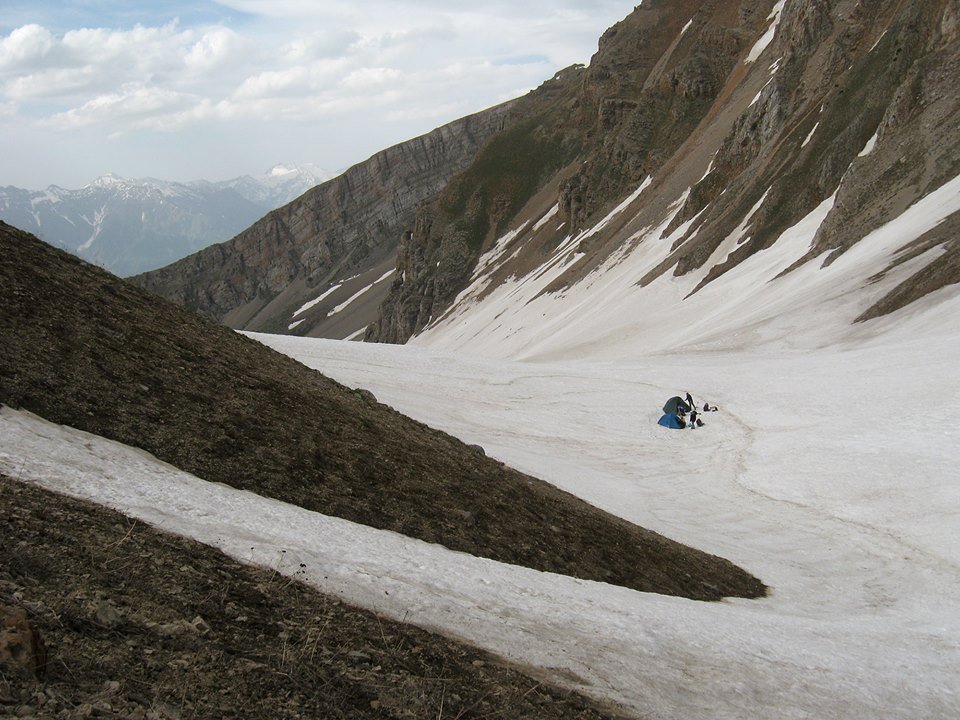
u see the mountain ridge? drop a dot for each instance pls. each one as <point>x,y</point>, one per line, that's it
<point>346,227</point>
<point>130,225</point>
<point>818,99</point>
<point>738,117</point>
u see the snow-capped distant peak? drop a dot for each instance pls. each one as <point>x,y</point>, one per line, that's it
<point>306,175</point>
<point>281,171</point>
<point>108,180</point>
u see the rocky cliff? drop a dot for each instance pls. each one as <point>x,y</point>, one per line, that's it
<point>721,125</point>
<point>654,77</point>
<point>340,236</point>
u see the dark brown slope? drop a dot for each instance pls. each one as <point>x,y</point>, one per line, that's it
<point>83,348</point>
<point>116,603</point>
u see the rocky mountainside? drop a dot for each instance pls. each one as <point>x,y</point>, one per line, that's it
<point>702,131</point>
<point>292,269</point>
<point>707,129</point>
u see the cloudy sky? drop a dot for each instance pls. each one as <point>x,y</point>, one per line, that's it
<point>213,89</point>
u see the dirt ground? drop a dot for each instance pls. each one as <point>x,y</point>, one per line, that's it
<point>141,624</point>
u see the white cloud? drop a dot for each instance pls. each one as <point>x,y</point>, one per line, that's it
<point>133,103</point>
<point>317,45</point>
<point>294,80</point>
<point>25,45</point>
<point>88,62</point>
<point>366,72</point>
<point>369,78</point>
<point>53,83</point>
<point>420,37</point>
<point>215,48</point>
<point>140,48</point>
<point>401,57</point>
<point>199,111</point>
<point>289,9</point>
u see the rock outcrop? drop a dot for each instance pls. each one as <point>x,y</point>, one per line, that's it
<point>862,103</point>
<point>743,116</point>
<point>22,649</point>
<point>347,226</point>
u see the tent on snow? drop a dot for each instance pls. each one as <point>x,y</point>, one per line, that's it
<point>671,420</point>
<point>676,405</point>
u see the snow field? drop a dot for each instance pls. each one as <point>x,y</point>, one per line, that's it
<point>829,472</point>
<point>827,489</point>
<point>860,554</point>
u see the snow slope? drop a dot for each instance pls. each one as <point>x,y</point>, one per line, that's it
<point>850,515</point>
<point>609,315</point>
<point>830,472</point>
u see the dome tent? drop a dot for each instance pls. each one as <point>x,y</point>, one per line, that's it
<point>676,405</point>
<point>672,420</point>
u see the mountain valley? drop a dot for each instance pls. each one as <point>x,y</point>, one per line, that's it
<point>406,425</point>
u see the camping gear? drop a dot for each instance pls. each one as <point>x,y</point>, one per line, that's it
<point>676,405</point>
<point>671,420</point>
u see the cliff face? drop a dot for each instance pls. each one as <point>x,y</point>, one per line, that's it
<point>720,124</point>
<point>861,104</point>
<point>346,227</point>
<point>655,76</point>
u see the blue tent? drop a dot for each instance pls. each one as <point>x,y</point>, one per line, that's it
<point>670,420</point>
<point>675,404</point>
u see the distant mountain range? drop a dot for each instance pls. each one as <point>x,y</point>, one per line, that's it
<point>132,225</point>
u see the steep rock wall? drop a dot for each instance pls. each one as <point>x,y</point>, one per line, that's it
<point>344,226</point>
<point>744,117</point>
<point>654,77</point>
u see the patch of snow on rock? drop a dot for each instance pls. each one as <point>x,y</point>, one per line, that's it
<point>767,37</point>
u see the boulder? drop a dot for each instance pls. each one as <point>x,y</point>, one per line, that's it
<point>22,649</point>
